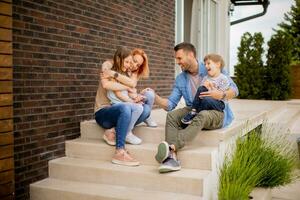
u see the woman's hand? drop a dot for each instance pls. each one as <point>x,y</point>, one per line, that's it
<point>132,90</point>
<point>139,99</point>
<point>107,73</point>
<point>147,89</point>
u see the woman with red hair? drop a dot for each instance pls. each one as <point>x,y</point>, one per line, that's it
<point>138,70</point>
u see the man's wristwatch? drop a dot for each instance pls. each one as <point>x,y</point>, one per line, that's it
<point>116,74</point>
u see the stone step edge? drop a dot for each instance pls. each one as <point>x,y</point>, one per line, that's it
<point>99,190</point>
<point>146,177</point>
<point>142,169</point>
<point>191,157</point>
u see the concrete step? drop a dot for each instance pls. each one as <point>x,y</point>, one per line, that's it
<point>261,194</point>
<point>248,114</point>
<point>91,130</point>
<point>55,189</point>
<point>95,149</point>
<point>287,116</point>
<point>294,124</point>
<point>143,177</point>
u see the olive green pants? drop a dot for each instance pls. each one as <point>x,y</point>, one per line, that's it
<point>178,136</point>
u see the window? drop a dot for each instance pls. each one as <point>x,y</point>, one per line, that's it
<point>209,26</point>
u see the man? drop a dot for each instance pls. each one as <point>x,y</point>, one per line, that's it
<point>186,84</point>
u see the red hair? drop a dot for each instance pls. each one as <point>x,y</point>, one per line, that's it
<point>143,70</point>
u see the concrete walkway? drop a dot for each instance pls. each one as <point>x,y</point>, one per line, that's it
<point>289,192</point>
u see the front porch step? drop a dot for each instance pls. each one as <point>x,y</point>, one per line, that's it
<point>186,181</point>
<point>96,149</point>
<point>287,116</point>
<point>91,130</point>
<point>49,189</point>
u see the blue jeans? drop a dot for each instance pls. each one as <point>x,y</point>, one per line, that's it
<point>118,116</point>
<point>206,103</point>
<point>136,111</point>
<point>147,106</point>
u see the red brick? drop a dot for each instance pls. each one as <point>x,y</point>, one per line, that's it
<point>58,46</point>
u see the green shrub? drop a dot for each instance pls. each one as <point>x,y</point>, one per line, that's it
<point>278,69</point>
<point>291,26</point>
<point>259,159</point>
<point>249,69</point>
<point>239,174</point>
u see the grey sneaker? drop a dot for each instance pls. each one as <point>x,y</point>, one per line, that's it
<point>163,151</point>
<point>169,165</point>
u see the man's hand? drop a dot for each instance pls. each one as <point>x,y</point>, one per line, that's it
<point>216,94</point>
<point>209,85</point>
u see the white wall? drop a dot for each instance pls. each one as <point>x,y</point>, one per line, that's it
<point>207,39</point>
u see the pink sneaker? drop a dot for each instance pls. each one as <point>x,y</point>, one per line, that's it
<point>109,136</point>
<point>122,157</point>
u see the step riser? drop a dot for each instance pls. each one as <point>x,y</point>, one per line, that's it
<point>90,130</point>
<point>37,193</point>
<point>145,156</point>
<point>54,189</point>
<point>146,181</point>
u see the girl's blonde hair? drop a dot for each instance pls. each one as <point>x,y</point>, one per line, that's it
<point>143,70</point>
<point>119,57</point>
<point>215,58</point>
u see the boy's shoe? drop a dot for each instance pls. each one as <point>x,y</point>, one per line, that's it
<point>150,123</point>
<point>109,136</point>
<point>163,151</point>
<point>132,139</point>
<point>122,157</point>
<point>169,165</point>
<point>188,118</point>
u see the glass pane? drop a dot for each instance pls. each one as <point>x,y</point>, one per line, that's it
<point>213,27</point>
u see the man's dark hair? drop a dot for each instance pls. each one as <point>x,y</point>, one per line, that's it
<point>185,46</point>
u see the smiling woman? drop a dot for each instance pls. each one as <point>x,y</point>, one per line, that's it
<point>140,63</point>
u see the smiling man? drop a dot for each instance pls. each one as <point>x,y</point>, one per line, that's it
<point>186,84</point>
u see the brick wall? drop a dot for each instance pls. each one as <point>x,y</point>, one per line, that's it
<point>57,48</point>
<point>6,103</point>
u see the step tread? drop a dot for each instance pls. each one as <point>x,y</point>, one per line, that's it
<point>142,169</point>
<point>194,157</point>
<point>286,115</point>
<point>148,146</point>
<point>217,134</point>
<point>106,190</point>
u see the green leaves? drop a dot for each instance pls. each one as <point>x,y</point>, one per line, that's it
<point>278,69</point>
<point>263,158</point>
<point>258,81</point>
<point>249,69</point>
<point>291,27</point>
<point>273,80</point>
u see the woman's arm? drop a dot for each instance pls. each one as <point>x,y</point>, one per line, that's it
<point>122,97</point>
<point>107,72</point>
<point>111,85</point>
